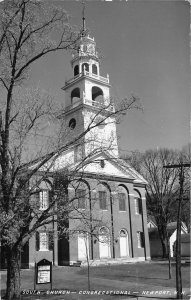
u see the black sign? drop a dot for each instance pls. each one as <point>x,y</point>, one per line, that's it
<point>44,272</point>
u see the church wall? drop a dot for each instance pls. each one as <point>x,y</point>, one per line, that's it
<point>139,224</point>
<point>66,251</point>
<point>68,133</point>
<point>101,136</point>
<point>121,221</point>
<point>64,160</point>
<point>127,220</point>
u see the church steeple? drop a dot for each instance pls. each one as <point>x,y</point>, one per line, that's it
<point>87,91</point>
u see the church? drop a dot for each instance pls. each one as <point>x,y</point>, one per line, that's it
<point>107,222</point>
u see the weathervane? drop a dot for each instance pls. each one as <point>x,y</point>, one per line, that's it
<point>83,18</point>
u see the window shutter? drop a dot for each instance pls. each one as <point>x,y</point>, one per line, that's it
<point>50,241</point>
<point>37,241</point>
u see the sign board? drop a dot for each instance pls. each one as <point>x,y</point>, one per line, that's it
<point>44,272</point>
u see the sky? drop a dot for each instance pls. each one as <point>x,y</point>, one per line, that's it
<point>145,48</point>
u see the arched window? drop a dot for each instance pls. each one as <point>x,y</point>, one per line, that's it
<point>75,95</point>
<point>104,230</point>
<point>72,123</point>
<point>122,198</point>
<point>103,196</point>
<point>82,195</point>
<point>94,69</point>
<point>76,70</point>
<point>123,232</point>
<point>97,96</point>
<point>85,67</point>
<point>43,196</point>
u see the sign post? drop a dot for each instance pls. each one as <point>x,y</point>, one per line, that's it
<point>44,272</point>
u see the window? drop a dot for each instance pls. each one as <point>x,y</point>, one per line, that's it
<point>81,194</point>
<point>76,70</point>
<point>75,95</point>
<point>123,233</point>
<point>72,123</point>
<point>94,69</point>
<point>85,67</point>
<point>103,200</point>
<point>104,230</point>
<point>138,206</point>
<point>97,96</point>
<point>43,241</point>
<point>122,205</point>
<point>44,200</point>
<point>140,239</point>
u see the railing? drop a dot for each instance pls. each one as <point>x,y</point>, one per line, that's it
<point>73,105</point>
<point>99,105</point>
<point>85,73</point>
<point>90,103</point>
<point>84,54</point>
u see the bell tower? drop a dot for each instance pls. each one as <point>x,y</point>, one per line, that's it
<point>87,98</point>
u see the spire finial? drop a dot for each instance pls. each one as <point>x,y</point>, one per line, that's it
<point>83,17</point>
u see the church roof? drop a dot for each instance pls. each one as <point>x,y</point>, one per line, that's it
<point>113,166</point>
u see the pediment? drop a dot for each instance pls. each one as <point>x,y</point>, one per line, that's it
<point>107,165</point>
<point>100,164</point>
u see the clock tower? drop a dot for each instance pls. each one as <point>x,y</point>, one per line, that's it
<point>87,100</point>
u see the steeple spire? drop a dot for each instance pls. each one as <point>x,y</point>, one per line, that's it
<point>83,19</point>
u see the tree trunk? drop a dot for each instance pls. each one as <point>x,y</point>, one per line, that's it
<point>164,248</point>
<point>13,273</point>
<point>169,260</point>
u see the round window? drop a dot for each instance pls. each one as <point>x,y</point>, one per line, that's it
<point>72,123</point>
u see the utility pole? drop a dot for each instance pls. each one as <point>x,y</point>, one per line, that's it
<point>181,167</point>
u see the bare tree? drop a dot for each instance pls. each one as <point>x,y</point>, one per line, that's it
<point>162,187</point>
<point>26,30</point>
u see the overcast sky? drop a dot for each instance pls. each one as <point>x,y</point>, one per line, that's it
<point>145,45</point>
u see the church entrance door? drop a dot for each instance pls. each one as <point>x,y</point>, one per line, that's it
<point>104,243</point>
<point>83,247</point>
<point>124,243</point>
